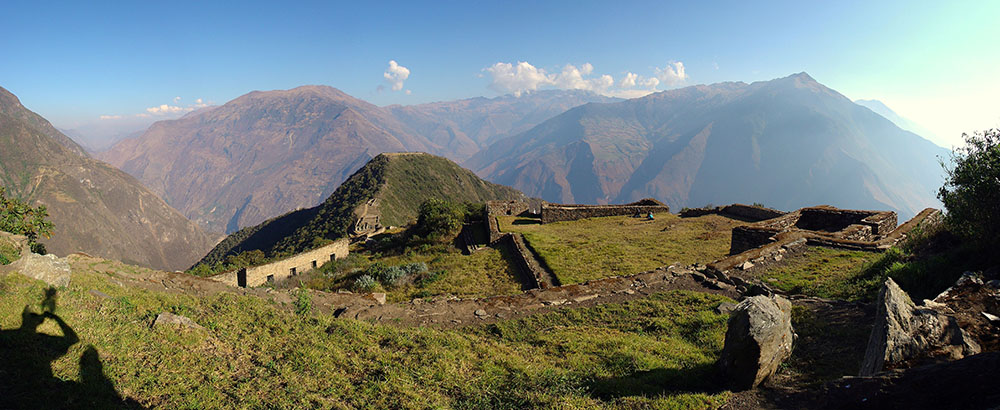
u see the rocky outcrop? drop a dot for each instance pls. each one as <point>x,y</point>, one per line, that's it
<point>50,269</point>
<point>904,332</point>
<point>969,383</point>
<point>170,319</point>
<point>759,339</point>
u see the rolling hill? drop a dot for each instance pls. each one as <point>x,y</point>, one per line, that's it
<point>788,143</point>
<point>96,208</point>
<point>398,182</point>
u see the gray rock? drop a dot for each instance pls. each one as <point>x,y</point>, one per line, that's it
<point>170,319</point>
<point>698,277</point>
<point>905,331</point>
<point>725,308</point>
<point>968,277</point>
<point>759,289</point>
<point>758,340</point>
<point>712,284</point>
<point>379,297</point>
<point>746,265</point>
<point>99,294</point>
<point>995,283</point>
<point>738,281</point>
<point>47,268</point>
<point>481,313</point>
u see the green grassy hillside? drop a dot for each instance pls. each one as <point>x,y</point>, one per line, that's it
<point>594,248</point>
<point>400,182</point>
<point>651,353</point>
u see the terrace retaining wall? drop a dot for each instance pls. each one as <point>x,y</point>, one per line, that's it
<point>284,268</point>
<point>560,212</point>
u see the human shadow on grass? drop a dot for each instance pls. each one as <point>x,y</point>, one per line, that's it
<point>26,357</point>
<point>650,383</point>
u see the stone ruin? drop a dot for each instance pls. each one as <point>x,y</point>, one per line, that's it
<point>284,268</point>
<point>563,212</point>
<point>824,221</point>
<point>367,219</point>
<point>817,226</point>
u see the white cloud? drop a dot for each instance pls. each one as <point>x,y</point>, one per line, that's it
<point>524,77</point>
<point>508,78</point>
<point>167,109</point>
<point>162,110</point>
<point>673,74</point>
<point>572,78</point>
<point>632,80</point>
<point>395,75</point>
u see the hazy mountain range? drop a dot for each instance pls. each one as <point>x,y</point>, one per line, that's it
<point>96,208</point>
<point>266,153</point>
<point>788,143</point>
<point>881,109</point>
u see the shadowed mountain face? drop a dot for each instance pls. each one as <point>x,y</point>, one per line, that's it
<point>788,143</point>
<point>267,153</point>
<point>96,209</point>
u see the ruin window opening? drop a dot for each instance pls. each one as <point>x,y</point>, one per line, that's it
<point>314,264</point>
<point>270,278</point>
<point>291,271</point>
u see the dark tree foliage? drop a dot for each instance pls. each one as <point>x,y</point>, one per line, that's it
<point>971,193</point>
<point>438,217</point>
<point>18,218</point>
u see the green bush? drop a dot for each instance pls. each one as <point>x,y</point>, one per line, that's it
<point>392,276</point>
<point>413,269</point>
<point>427,278</point>
<point>364,283</point>
<point>438,217</point>
<point>303,302</point>
<point>18,217</point>
<point>971,193</point>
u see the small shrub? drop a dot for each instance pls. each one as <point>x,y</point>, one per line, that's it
<point>427,278</point>
<point>303,302</point>
<point>415,268</point>
<point>392,276</point>
<point>364,283</point>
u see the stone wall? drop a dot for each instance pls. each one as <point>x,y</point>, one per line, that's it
<point>774,234</point>
<point>747,213</point>
<point>829,219</point>
<point>494,208</point>
<point>828,222</point>
<point>284,268</point>
<point>533,275</point>
<point>750,213</point>
<point>559,212</point>
<point>745,238</point>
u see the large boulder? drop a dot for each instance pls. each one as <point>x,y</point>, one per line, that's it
<point>758,340</point>
<point>905,332</point>
<point>47,268</point>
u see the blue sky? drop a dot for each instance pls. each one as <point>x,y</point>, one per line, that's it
<point>933,62</point>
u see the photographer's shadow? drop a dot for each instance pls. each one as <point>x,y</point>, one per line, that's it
<point>26,356</point>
